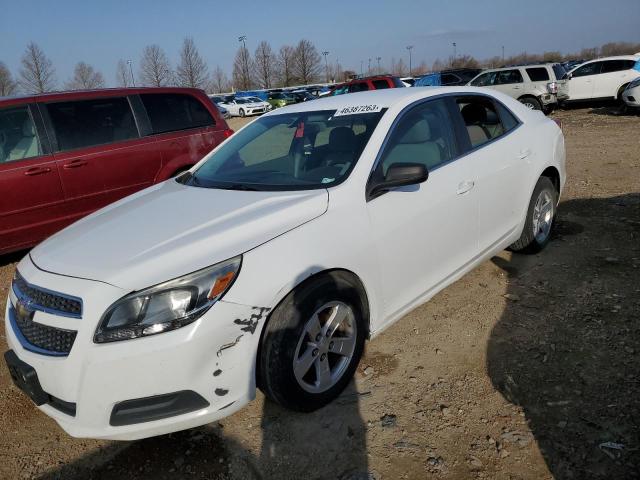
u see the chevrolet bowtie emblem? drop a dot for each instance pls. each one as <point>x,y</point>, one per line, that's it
<point>23,310</point>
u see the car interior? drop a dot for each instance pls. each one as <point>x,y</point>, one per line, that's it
<point>18,138</point>
<point>481,120</point>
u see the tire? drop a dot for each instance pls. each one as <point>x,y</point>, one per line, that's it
<point>286,340</point>
<point>241,112</point>
<point>535,236</point>
<point>619,99</point>
<point>531,102</point>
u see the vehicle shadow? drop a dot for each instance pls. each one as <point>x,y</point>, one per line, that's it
<point>329,443</point>
<point>566,348</point>
<point>615,111</point>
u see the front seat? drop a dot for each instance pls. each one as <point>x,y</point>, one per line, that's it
<point>414,146</point>
<point>28,145</point>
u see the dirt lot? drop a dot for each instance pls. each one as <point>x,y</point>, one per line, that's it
<point>523,369</point>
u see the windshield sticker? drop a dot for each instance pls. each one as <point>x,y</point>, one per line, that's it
<point>356,109</point>
<point>327,180</point>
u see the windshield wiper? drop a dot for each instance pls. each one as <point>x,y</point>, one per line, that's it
<point>237,186</point>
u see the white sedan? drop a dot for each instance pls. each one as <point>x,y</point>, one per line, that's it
<point>275,258</point>
<point>246,106</point>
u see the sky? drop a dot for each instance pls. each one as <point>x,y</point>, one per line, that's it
<point>102,32</point>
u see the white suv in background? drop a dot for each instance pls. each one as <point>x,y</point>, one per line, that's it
<point>538,86</point>
<point>603,78</point>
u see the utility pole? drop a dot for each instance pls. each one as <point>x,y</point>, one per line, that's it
<point>502,54</point>
<point>133,80</point>
<point>454,54</point>
<point>326,65</point>
<point>410,47</point>
<point>361,67</point>
<point>369,68</point>
<point>379,58</point>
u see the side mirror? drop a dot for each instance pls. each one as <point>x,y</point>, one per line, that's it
<point>399,175</point>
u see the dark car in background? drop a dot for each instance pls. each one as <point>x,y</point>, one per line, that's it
<point>377,82</point>
<point>65,155</point>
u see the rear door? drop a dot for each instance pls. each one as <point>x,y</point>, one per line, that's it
<point>184,129</point>
<point>31,200</point>
<point>613,75</point>
<point>582,82</point>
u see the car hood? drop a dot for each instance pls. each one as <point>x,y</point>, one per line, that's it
<point>170,229</point>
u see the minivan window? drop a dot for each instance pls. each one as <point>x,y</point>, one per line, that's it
<point>358,87</point>
<point>380,84</point>
<point>85,123</point>
<point>18,139</point>
<point>290,151</point>
<point>169,112</point>
<point>481,119</point>
<point>538,74</point>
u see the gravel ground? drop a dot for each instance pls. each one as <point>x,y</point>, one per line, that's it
<point>526,368</point>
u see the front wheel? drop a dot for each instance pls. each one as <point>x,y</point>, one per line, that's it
<point>540,217</point>
<point>241,112</point>
<point>531,103</point>
<point>312,344</point>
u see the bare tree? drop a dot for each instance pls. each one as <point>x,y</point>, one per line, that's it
<point>8,86</point>
<point>192,71</point>
<point>286,65</point>
<point>37,74</point>
<point>307,64</point>
<point>155,70</point>
<point>219,81</point>
<point>242,69</point>
<point>84,77</point>
<point>123,79</point>
<point>264,65</point>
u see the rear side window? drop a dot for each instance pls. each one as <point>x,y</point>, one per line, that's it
<point>538,74</point>
<point>169,112</point>
<point>380,84</point>
<point>358,87</point>
<point>509,122</point>
<point>481,119</point>
<point>87,123</point>
<point>506,77</point>
<point>18,139</point>
<point>588,69</point>
<point>609,66</point>
<point>559,71</point>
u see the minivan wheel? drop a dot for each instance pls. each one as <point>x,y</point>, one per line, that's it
<point>312,344</point>
<point>241,112</point>
<point>531,102</point>
<point>540,218</point>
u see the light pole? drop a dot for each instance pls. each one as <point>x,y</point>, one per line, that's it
<point>378,58</point>
<point>361,68</point>
<point>502,54</point>
<point>133,80</point>
<point>245,62</point>
<point>454,54</point>
<point>409,47</point>
<point>369,68</point>
<point>243,39</point>
<point>326,65</point>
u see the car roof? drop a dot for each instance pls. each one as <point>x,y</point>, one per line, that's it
<point>384,98</point>
<point>635,57</point>
<point>528,65</point>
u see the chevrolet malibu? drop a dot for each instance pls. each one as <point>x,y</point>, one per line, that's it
<point>271,262</point>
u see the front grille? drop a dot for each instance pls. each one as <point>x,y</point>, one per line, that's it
<point>45,300</point>
<point>50,339</point>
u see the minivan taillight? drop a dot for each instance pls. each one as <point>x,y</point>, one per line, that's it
<point>552,87</point>
<point>227,133</point>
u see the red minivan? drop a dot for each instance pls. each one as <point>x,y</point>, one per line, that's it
<point>64,155</point>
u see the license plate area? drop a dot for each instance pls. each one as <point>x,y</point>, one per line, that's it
<point>24,377</point>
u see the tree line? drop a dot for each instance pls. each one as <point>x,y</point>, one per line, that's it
<point>266,68</point>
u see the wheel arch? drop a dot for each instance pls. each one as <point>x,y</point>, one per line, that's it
<point>552,174</point>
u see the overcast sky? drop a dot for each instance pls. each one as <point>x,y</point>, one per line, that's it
<point>353,31</point>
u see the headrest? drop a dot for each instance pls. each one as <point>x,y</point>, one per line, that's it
<point>341,139</point>
<point>27,128</point>
<point>418,132</point>
<point>473,114</point>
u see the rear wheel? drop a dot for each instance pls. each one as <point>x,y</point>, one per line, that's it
<point>540,218</point>
<point>531,102</point>
<point>312,344</point>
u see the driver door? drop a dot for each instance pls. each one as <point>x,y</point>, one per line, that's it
<point>424,234</point>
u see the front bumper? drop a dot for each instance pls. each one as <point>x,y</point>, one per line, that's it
<point>548,98</point>
<point>213,357</point>
<point>632,97</point>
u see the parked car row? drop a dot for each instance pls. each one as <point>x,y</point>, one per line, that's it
<point>64,155</point>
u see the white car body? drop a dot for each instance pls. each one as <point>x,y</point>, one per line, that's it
<point>243,107</point>
<point>631,95</point>
<point>602,78</point>
<point>477,201</point>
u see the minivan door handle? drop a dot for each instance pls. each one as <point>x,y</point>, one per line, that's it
<point>464,187</point>
<point>37,171</point>
<point>75,164</point>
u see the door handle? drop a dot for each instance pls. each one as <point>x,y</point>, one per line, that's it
<point>75,164</point>
<point>37,171</point>
<point>524,153</point>
<point>516,88</point>
<point>464,187</point>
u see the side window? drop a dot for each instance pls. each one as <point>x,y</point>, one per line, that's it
<point>609,66</point>
<point>380,84</point>
<point>18,139</point>
<point>87,123</point>
<point>484,80</point>
<point>449,79</point>
<point>423,135</point>
<point>169,112</point>
<point>538,74</point>
<point>481,119</point>
<point>509,122</point>
<point>358,87</point>
<point>588,69</point>
<point>506,77</point>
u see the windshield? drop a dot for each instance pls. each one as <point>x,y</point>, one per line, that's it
<point>241,100</point>
<point>293,151</point>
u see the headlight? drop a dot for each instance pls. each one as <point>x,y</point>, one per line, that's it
<point>167,306</point>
